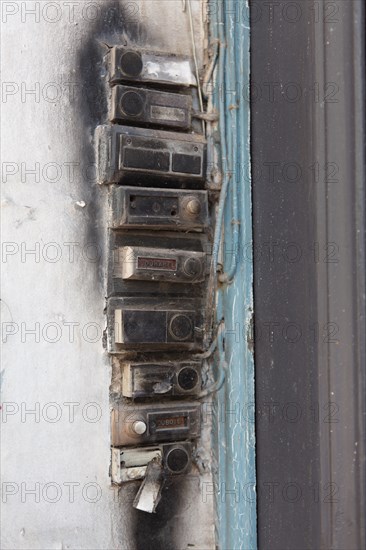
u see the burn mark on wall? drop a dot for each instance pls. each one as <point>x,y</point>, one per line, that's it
<point>117,24</point>
<point>156,531</point>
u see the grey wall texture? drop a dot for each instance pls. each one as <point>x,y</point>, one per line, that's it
<point>55,373</point>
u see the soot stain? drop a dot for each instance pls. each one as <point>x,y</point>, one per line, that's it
<point>156,531</point>
<point>114,26</point>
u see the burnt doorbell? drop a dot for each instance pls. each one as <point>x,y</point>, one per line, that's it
<point>157,380</point>
<point>158,209</point>
<point>142,66</point>
<point>158,264</point>
<point>136,155</point>
<point>159,245</point>
<point>145,425</point>
<point>150,107</point>
<point>154,324</point>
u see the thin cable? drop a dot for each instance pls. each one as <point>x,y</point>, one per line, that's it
<point>196,62</point>
<point>209,117</point>
<point>212,284</point>
<point>208,75</point>
<point>222,368</point>
<point>217,385</point>
<point>206,354</point>
<point>224,156</point>
<point>234,77</point>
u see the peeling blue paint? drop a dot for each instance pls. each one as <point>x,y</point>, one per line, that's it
<point>234,438</point>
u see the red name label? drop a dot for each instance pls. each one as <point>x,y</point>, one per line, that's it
<point>171,423</point>
<point>161,264</point>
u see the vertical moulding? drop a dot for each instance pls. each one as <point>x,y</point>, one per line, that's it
<point>234,428</point>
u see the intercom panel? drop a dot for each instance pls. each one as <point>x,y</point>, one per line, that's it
<point>142,156</point>
<point>130,464</point>
<point>139,425</point>
<point>160,264</point>
<point>156,209</point>
<point>139,65</point>
<point>147,263</point>
<point>161,379</point>
<point>146,107</point>
<point>154,324</point>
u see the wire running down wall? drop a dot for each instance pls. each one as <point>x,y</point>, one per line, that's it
<point>235,481</point>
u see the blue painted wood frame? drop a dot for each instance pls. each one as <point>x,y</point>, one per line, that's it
<point>234,428</point>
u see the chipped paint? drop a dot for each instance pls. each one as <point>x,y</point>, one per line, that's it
<point>235,488</point>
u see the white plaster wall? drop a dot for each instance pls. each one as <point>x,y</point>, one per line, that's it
<point>61,284</point>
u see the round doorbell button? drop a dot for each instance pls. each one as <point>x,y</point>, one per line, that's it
<point>139,427</point>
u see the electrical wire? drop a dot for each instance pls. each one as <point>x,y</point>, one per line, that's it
<point>233,70</point>
<point>196,62</point>
<point>222,368</point>
<point>211,68</point>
